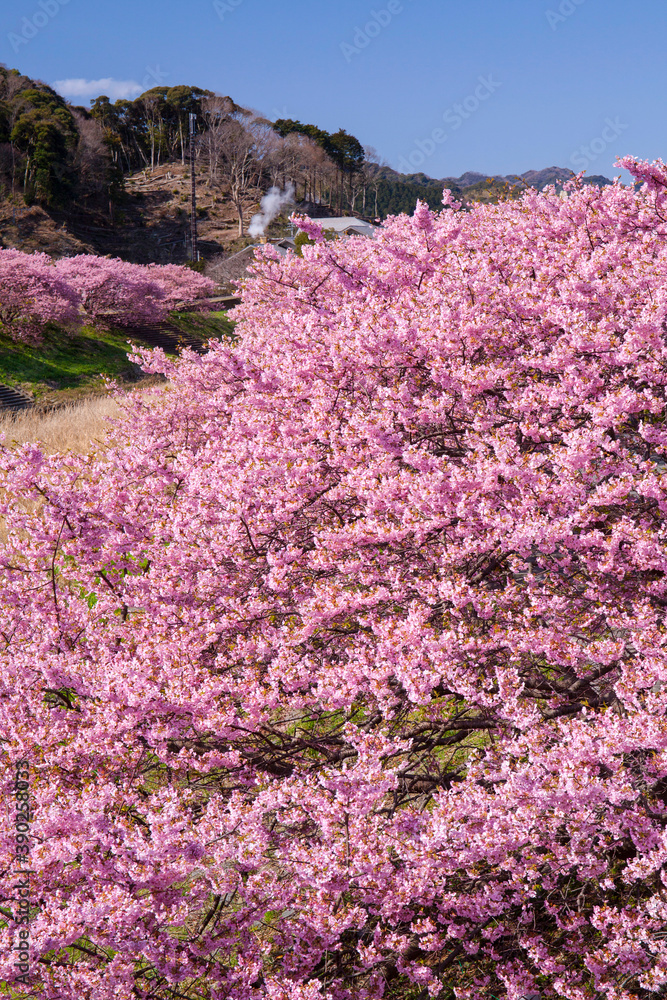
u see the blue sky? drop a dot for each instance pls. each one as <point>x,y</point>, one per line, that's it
<point>498,86</point>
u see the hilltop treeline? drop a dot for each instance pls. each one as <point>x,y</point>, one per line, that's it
<point>151,129</point>
<point>56,154</point>
<point>62,156</point>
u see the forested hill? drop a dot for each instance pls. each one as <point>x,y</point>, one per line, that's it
<point>74,164</point>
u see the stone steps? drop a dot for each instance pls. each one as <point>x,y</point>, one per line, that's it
<point>14,399</point>
<point>168,337</point>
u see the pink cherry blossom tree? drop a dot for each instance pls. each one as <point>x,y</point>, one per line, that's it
<point>182,286</point>
<point>341,672</point>
<point>34,291</point>
<point>33,294</point>
<point>118,293</point>
<point>113,291</point>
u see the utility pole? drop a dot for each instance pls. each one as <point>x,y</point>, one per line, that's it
<point>193,211</point>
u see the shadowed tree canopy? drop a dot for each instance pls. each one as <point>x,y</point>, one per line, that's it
<point>40,127</point>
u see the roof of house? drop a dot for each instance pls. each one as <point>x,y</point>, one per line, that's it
<point>347,224</point>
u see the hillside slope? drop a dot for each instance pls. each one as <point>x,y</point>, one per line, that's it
<point>151,222</point>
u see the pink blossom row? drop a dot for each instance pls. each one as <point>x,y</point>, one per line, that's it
<point>36,290</point>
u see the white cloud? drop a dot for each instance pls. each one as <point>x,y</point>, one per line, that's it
<point>114,89</point>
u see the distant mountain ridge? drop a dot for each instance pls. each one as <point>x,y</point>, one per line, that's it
<point>532,178</point>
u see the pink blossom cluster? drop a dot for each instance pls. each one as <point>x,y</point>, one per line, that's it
<point>342,671</point>
<point>117,293</point>
<point>34,291</point>
<point>32,294</point>
<point>181,285</point>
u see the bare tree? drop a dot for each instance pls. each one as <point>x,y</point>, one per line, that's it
<point>314,164</point>
<point>299,160</point>
<point>275,160</point>
<point>304,163</point>
<point>244,154</point>
<point>151,109</point>
<point>92,159</point>
<point>215,111</point>
<point>239,145</point>
<point>240,169</point>
<point>372,177</point>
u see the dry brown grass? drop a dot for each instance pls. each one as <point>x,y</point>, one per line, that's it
<point>79,427</point>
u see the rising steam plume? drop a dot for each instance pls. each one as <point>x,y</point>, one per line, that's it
<point>271,206</point>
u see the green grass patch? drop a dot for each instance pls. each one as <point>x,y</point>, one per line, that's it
<point>73,366</point>
<point>66,362</point>
<point>204,324</point>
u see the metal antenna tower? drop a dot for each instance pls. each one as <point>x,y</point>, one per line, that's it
<point>194,250</point>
